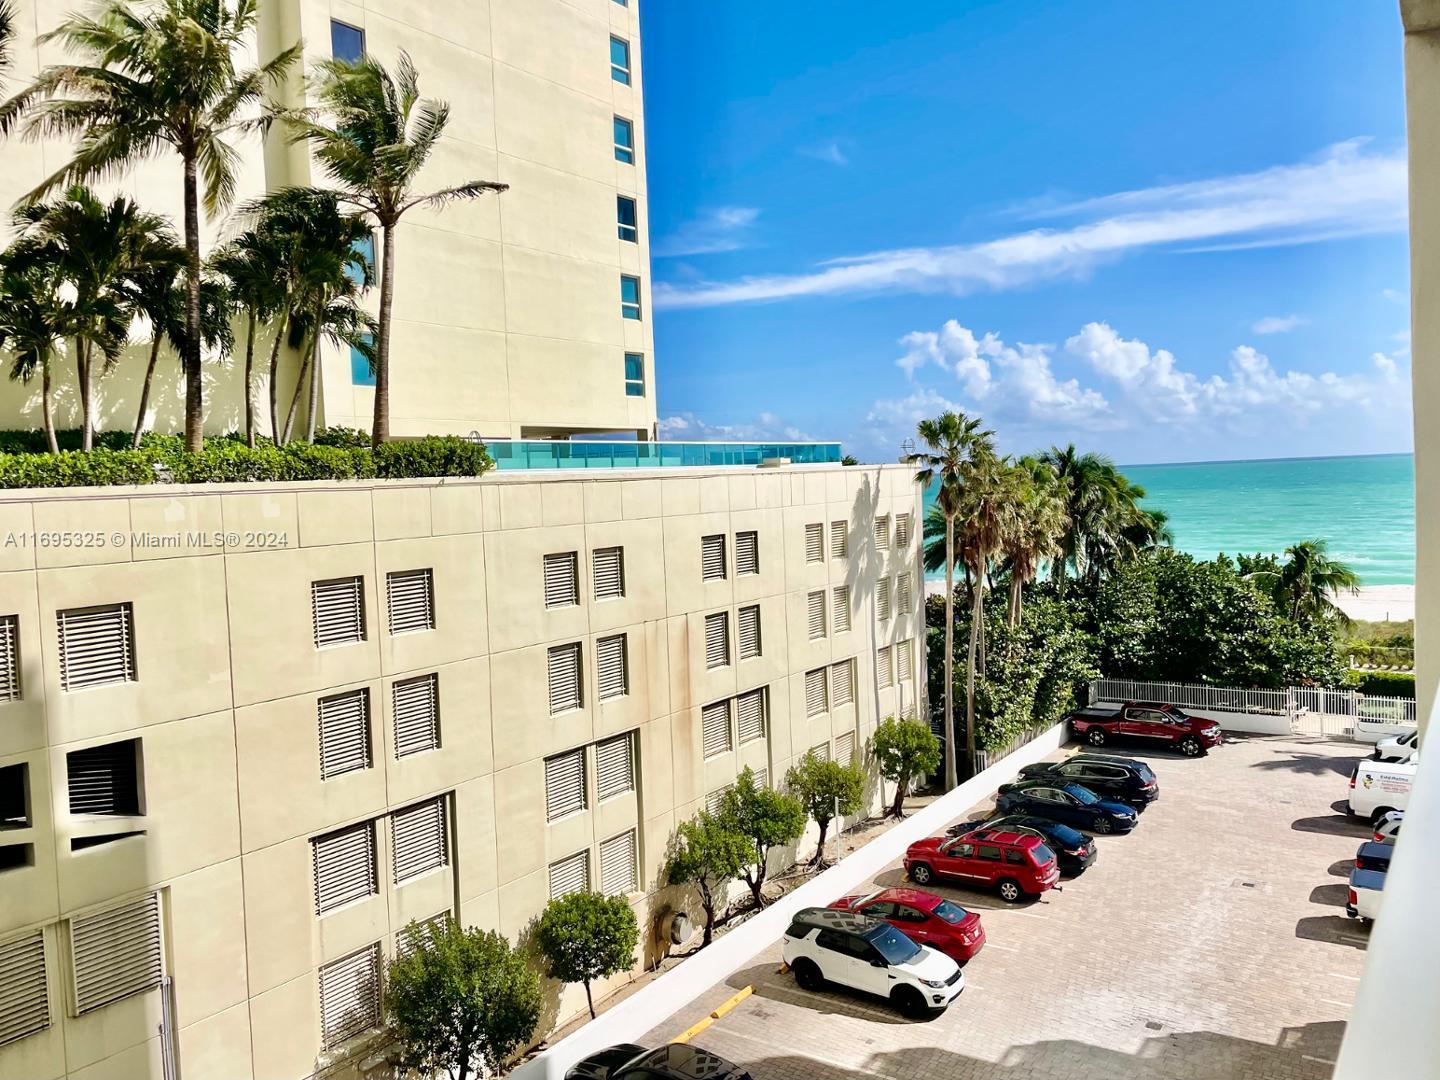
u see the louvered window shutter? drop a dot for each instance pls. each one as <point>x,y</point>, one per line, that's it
<point>903,650</point>
<point>839,540</point>
<point>842,683</point>
<point>902,530</point>
<point>845,747</point>
<point>814,543</point>
<point>816,604</point>
<point>344,733</point>
<point>24,993</point>
<point>562,580</point>
<point>715,728</point>
<point>821,751</point>
<point>338,610</point>
<point>116,953</point>
<point>618,869</point>
<point>712,558</point>
<point>416,706</point>
<point>564,674</point>
<point>882,598</point>
<point>749,632</point>
<point>97,646</point>
<point>418,839</point>
<point>417,936</point>
<point>762,778</point>
<point>609,572</point>
<point>841,615</point>
<point>882,532</point>
<point>747,553</point>
<point>410,595</point>
<point>750,715</point>
<point>717,639</point>
<point>565,784</point>
<point>615,766</point>
<point>104,779</point>
<point>815,696</point>
<point>344,863</point>
<point>611,675</point>
<point>903,583</point>
<point>886,674</point>
<point>9,661</point>
<point>715,800</point>
<point>350,996</point>
<point>570,875</point>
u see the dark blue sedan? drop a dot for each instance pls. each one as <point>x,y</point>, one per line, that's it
<point>1069,804</point>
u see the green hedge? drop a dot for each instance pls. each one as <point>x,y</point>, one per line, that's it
<point>1387,683</point>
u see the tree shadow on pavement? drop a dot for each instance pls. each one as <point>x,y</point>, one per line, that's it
<point>1312,764</point>
<point>1334,824</point>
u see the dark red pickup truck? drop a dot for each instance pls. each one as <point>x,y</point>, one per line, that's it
<point>1146,721</point>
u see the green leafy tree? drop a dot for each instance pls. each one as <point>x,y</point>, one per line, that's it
<point>904,749</point>
<point>709,852</point>
<point>459,1001</point>
<point>767,819</point>
<point>1106,524</point>
<point>1034,529</point>
<point>1307,582</point>
<point>826,788</point>
<point>33,326</point>
<point>372,134</point>
<point>585,936</point>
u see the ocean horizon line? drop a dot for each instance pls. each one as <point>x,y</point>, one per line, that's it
<point>1263,460</point>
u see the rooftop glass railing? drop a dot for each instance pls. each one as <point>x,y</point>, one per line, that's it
<point>559,454</point>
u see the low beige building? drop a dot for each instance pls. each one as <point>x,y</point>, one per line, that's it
<point>247,734</point>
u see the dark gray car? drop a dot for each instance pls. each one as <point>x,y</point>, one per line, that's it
<point>673,1061</point>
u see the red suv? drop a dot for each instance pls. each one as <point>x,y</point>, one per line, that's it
<point>924,918</point>
<point>1013,864</point>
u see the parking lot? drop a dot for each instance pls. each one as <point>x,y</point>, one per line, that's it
<point>1210,943</point>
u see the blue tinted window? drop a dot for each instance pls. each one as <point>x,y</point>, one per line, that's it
<point>346,42</point>
<point>627,218</point>
<point>364,249</point>
<point>620,60</point>
<point>624,141</point>
<point>634,374</point>
<point>630,297</point>
<point>360,373</point>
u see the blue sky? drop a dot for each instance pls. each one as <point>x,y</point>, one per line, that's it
<point>1169,232</point>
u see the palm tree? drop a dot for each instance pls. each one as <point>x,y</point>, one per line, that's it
<point>151,288</point>
<point>33,324</point>
<point>249,266</point>
<point>1307,581</point>
<point>157,77</point>
<point>7,32</point>
<point>1035,529</point>
<point>372,134</point>
<point>951,440</point>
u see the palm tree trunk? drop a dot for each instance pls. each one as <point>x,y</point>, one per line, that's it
<point>1016,585</point>
<point>145,392</point>
<point>952,769</point>
<point>45,411</point>
<point>977,612</point>
<point>249,375</point>
<point>295,398</point>
<point>313,406</point>
<point>274,388</point>
<point>190,353</point>
<point>82,378</point>
<point>380,428</point>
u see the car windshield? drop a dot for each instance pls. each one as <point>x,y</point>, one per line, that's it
<point>1144,771</point>
<point>893,945</point>
<point>1081,795</point>
<point>954,914</point>
<point>1176,714</point>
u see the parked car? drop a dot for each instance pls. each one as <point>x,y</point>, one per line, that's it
<point>869,955</point>
<point>1397,747</point>
<point>1387,829</point>
<point>1073,849</point>
<point>1122,779</point>
<point>1363,901</point>
<point>1373,856</point>
<point>1377,787</point>
<point>1013,864</point>
<point>924,918</point>
<point>673,1061</point>
<point>1146,721</point>
<point>1069,804</point>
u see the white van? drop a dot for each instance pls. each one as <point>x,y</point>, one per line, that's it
<point>1377,787</point>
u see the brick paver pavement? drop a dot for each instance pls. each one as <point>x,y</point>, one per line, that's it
<point>1210,944</point>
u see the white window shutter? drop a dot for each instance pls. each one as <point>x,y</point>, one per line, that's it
<point>762,778</point>
<point>612,677</point>
<point>839,540</point>
<point>814,543</point>
<point>338,611</point>
<point>410,598</point>
<point>104,779</point>
<point>415,704</point>
<point>904,659</point>
<point>882,531</point>
<point>715,800</point>
<point>717,639</point>
<point>840,617</point>
<point>882,598</point>
<point>821,751</point>
<point>902,530</point>
<point>24,988</point>
<point>619,865</point>
<point>886,673</point>
<point>570,875</point>
<point>816,698</point>
<point>344,865</point>
<point>845,747</point>
<point>750,715</point>
<point>715,728</point>
<point>842,683</point>
<point>712,557</point>
<point>615,766</point>
<point>608,567</point>
<point>562,580</point>
<point>344,733</point>
<point>815,603</point>
<point>9,663</point>
<point>747,553</point>
<point>749,632</point>
<point>564,677</point>
<point>350,996</point>
<point>116,953</point>
<point>565,784</point>
<point>97,646</point>
<point>419,841</point>
<point>409,938</point>
<point>905,598</point>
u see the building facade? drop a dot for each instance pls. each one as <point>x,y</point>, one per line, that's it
<point>519,315</point>
<point>248,734</point>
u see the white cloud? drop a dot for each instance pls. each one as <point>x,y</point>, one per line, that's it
<point>1346,191</point>
<point>729,228</point>
<point>830,151</point>
<point>1277,324</point>
<point>766,427</point>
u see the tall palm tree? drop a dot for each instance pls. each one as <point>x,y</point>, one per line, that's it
<point>156,77</point>
<point>1308,580</point>
<point>951,440</point>
<point>151,288</point>
<point>372,134</point>
<point>1038,522</point>
<point>249,266</point>
<point>7,32</point>
<point>33,325</point>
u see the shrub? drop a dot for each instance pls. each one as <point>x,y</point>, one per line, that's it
<point>825,787</point>
<point>709,853</point>
<point>433,455</point>
<point>1387,683</point>
<point>347,438</point>
<point>585,936</point>
<point>767,819</point>
<point>904,750</point>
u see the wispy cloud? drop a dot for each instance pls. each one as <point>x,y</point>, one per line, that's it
<point>766,426</point>
<point>830,151</point>
<point>1277,324</point>
<point>1348,190</point>
<point>728,228</point>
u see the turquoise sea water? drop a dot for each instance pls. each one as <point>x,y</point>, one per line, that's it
<point>1364,506</point>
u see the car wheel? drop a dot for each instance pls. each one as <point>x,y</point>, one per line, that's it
<point>921,874</point>
<point>1095,736</point>
<point>910,1002</point>
<point>1190,746</point>
<point>807,975</point>
<point>1010,891</point>
<point>1377,815</point>
<point>1101,824</point>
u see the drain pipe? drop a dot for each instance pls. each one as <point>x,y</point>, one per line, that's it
<point>169,1063</point>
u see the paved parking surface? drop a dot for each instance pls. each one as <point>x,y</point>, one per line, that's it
<point>1210,943</point>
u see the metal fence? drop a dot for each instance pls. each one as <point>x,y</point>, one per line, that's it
<point>1193,696</point>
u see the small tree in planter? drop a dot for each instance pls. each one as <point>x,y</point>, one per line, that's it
<point>825,788</point>
<point>905,749</point>
<point>709,853</point>
<point>585,936</point>
<point>767,819</point>
<point>459,1001</point>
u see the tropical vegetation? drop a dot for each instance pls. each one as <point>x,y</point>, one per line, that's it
<point>708,853</point>
<point>826,789</point>
<point>585,936</point>
<point>905,750</point>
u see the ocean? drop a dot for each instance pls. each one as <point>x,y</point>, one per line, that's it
<point>1364,506</point>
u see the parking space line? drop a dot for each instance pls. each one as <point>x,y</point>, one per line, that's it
<point>1322,1061</point>
<point>1352,978</point>
<point>1342,1004</point>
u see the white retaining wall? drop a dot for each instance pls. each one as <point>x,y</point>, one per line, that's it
<point>1257,723</point>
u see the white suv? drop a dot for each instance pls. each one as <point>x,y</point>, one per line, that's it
<point>868,954</point>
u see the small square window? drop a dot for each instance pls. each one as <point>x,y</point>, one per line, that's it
<point>15,797</point>
<point>346,42</point>
<point>627,218</point>
<point>634,374</point>
<point>629,296</point>
<point>620,60</point>
<point>624,141</point>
